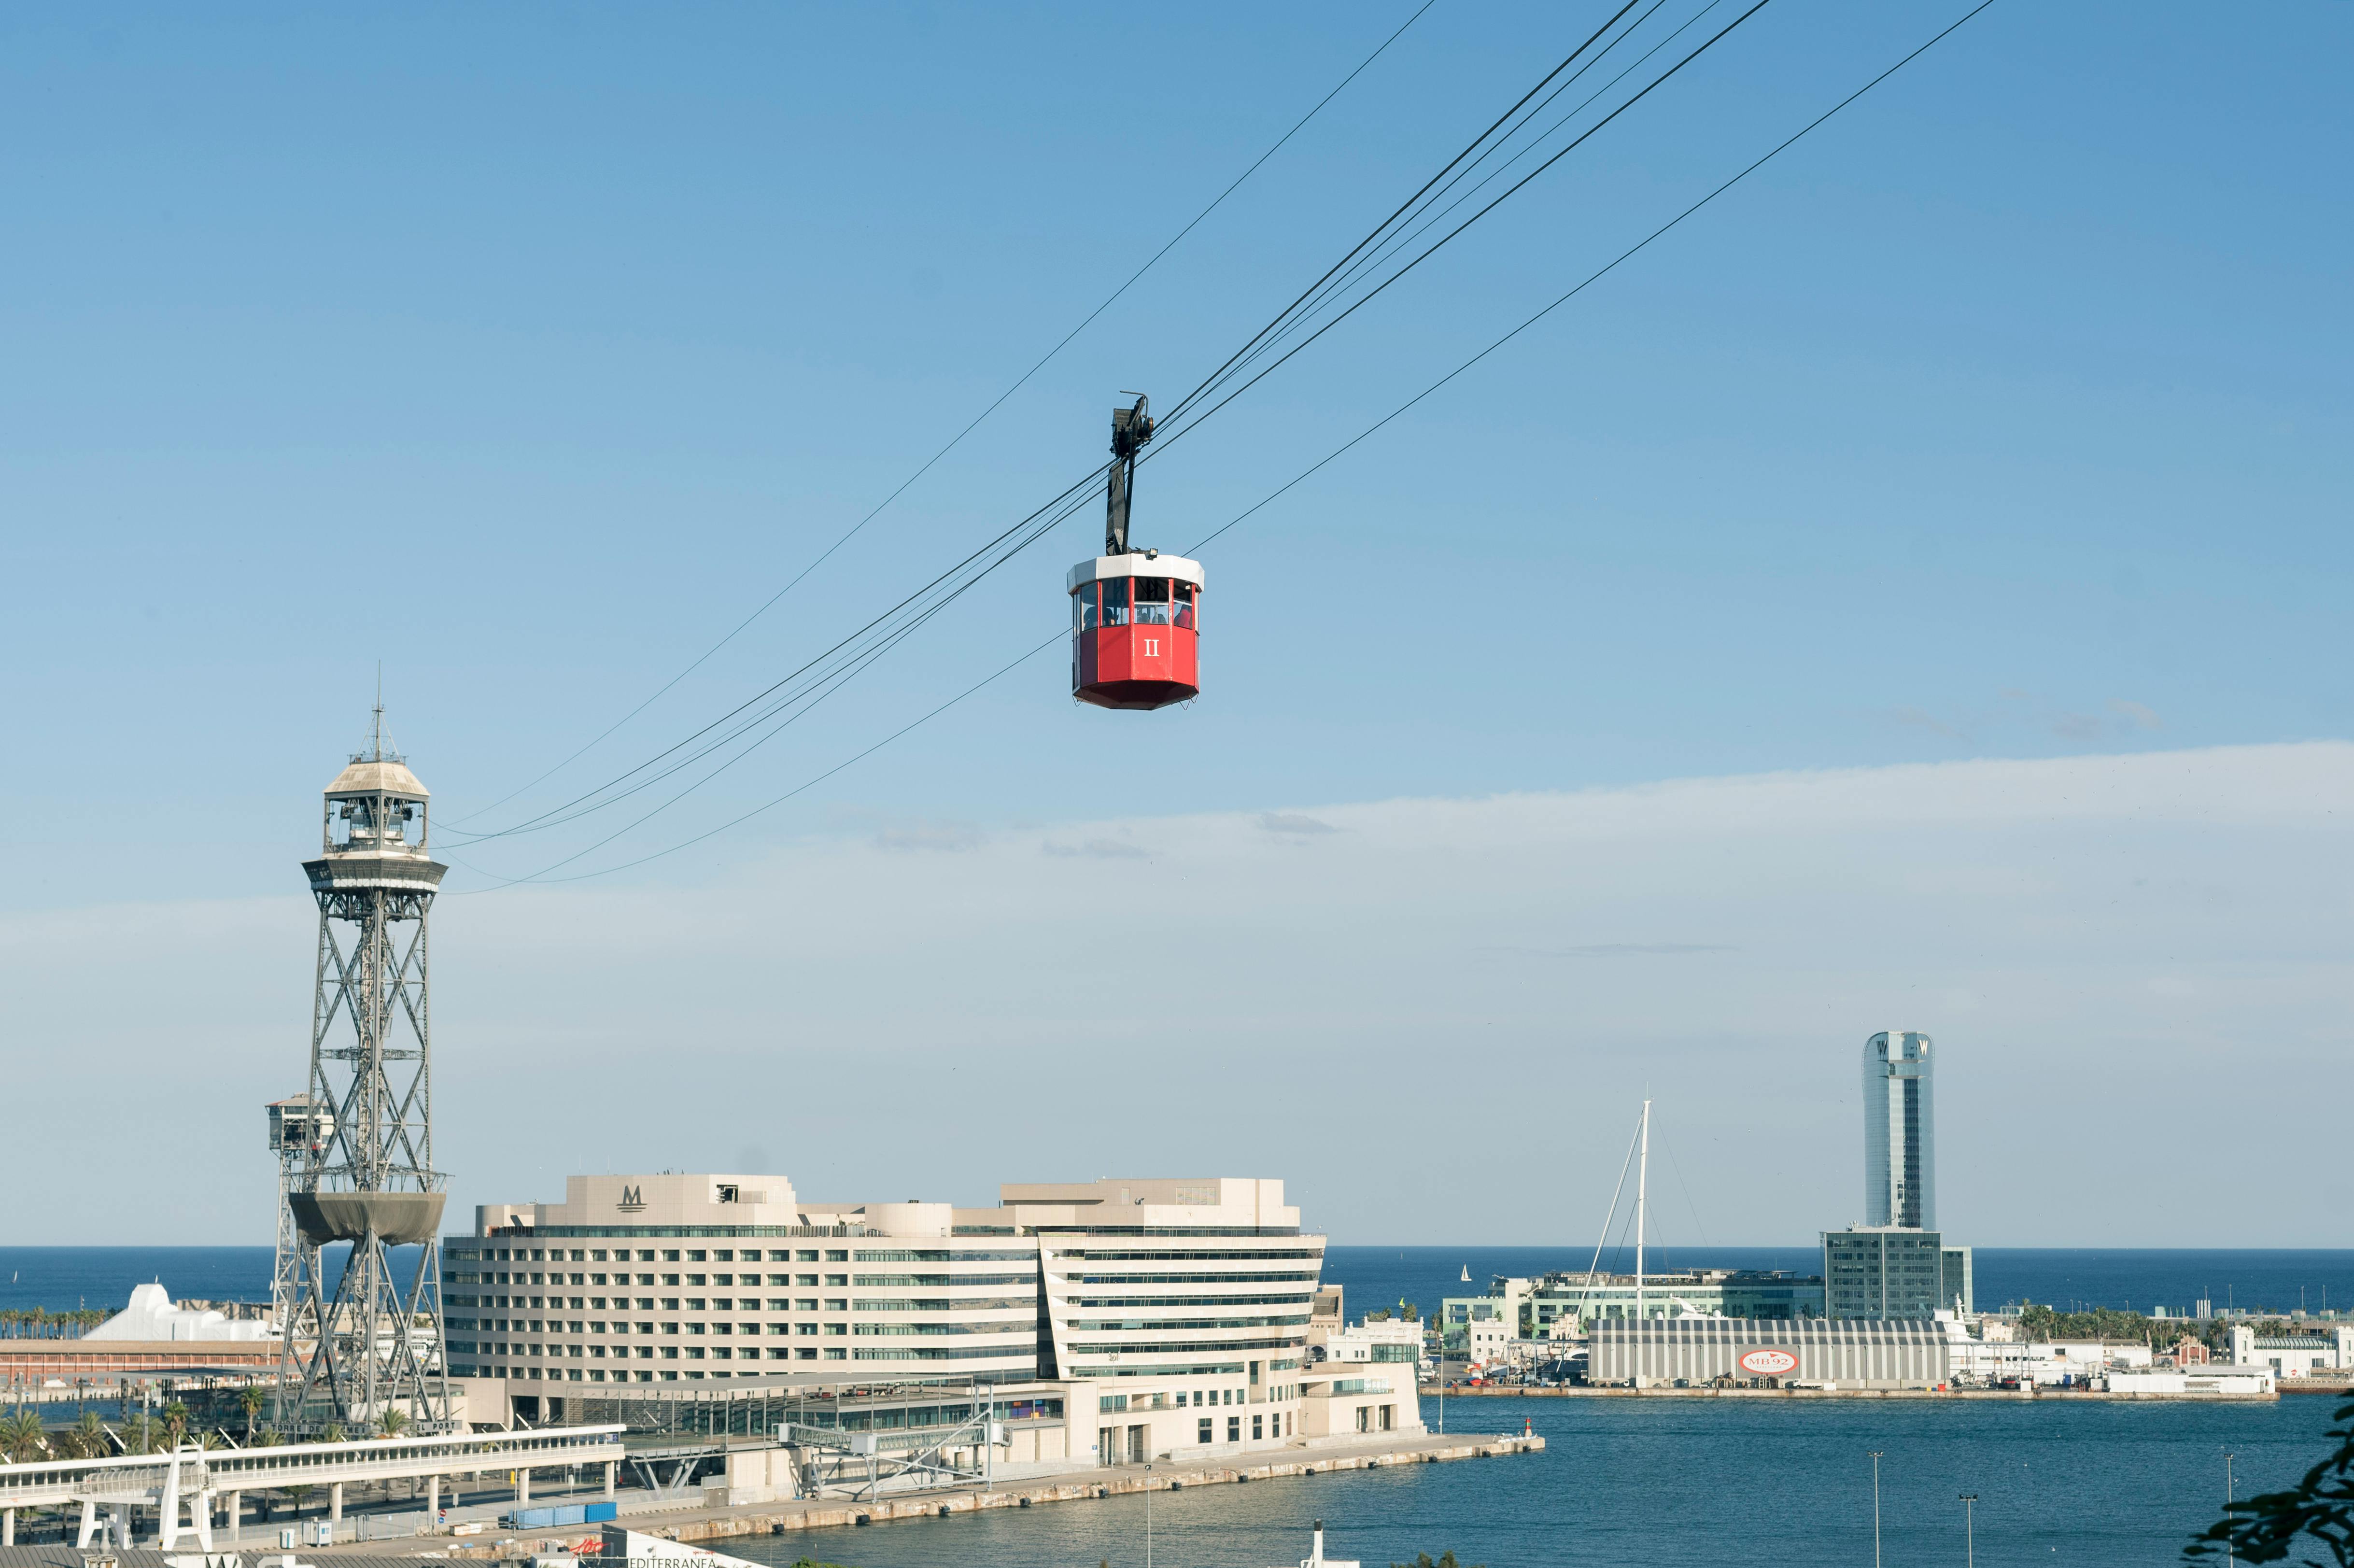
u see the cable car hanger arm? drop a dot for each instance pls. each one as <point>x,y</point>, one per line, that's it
<point>1130,429</point>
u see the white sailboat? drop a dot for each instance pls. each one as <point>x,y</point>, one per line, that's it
<point>1467,1274</point>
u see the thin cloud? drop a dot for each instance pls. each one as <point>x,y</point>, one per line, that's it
<point>1100,849</point>
<point>1294,823</point>
<point>2077,726</point>
<point>954,838</point>
<point>1921,718</point>
<point>2135,713</point>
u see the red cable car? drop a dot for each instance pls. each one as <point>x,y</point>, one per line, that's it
<point>1136,615</point>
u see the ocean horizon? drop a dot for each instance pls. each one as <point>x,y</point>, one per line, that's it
<point>2269,1279</point>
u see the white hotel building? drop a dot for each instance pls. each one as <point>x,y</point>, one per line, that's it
<point>1124,1319</point>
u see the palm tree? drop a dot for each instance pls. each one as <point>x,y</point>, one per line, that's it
<point>139,1433</point>
<point>21,1437</point>
<point>252,1400</point>
<point>392,1422</point>
<point>87,1437</point>
<point>334,1433</point>
<point>208,1440</point>
<point>175,1422</point>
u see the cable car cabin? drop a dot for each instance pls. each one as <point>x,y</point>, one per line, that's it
<point>1136,622</point>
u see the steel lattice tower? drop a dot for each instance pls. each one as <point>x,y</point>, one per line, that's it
<point>375,1346</point>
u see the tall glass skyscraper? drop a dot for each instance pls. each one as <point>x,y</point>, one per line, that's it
<point>1900,1141</point>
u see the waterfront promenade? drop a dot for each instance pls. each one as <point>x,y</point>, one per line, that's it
<point>718,1527</point>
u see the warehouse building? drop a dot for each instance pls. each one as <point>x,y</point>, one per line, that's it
<point>1768,1352</point>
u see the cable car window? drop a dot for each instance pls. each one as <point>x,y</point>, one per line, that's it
<point>1152,601</point>
<point>1184,590</point>
<point>1115,601</point>
<point>1083,608</point>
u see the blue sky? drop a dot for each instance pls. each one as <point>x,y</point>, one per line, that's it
<point>526,351</point>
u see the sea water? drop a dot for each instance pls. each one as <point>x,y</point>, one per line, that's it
<point>1658,1482</point>
<point>2275,1279</point>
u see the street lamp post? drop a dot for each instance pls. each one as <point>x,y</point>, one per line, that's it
<point>1969,1535</point>
<point>2229,1555</point>
<point>1875,1509</point>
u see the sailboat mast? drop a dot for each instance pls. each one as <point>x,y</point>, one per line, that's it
<point>1642,1206</point>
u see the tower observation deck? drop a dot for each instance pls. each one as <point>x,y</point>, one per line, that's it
<point>369,1343</point>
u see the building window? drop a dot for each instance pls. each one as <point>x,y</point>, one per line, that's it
<point>1234,1428</point>
<point>1204,1425</point>
<point>837,1355</point>
<point>1258,1423</point>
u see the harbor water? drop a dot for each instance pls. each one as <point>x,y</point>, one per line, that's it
<point>1661,1482</point>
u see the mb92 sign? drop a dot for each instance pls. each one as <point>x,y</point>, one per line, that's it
<point>1769,1364</point>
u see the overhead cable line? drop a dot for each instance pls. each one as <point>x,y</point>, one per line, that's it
<point>1054,511</point>
<point>791,710</point>
<point>1329,457</point>
<point>1571,59</point>
<point>1431,214</point>
<point>1509,193</point>
<point>1023,380</point>
<point>612,793</point>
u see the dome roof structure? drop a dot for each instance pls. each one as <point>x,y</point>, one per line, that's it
<point>371,776</point>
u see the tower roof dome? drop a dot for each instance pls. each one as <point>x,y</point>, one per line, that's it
<point>370,775</point>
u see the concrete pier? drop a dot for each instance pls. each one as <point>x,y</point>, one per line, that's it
<point>715,1526</point>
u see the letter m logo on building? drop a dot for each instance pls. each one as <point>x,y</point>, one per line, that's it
<point>632,1200</point>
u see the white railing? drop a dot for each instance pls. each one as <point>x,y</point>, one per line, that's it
<point>49,1483</point>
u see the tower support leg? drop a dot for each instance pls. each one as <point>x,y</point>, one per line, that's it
<point>611,1467</point>
<point>8,1527</point>
<point>89,1525</point>
<point>236,1524</point>
<point>432,1501</point>
<point>335,1503</point>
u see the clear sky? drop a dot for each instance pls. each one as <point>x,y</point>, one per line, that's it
<point>1978,462</point>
